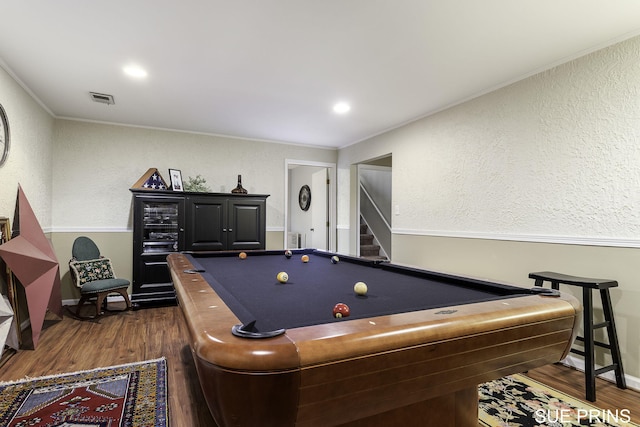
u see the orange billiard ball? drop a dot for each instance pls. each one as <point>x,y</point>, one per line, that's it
<point>242,255</point>
<point>305,258</point>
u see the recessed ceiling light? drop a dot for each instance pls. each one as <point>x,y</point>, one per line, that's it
<point>341,108</point>
<point>135,71</point>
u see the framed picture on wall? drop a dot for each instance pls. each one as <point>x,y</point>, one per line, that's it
<point>176,179</point>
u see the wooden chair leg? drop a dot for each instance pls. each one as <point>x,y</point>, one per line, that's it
<point>124,294</point>
<point>83,299</point>
<point>99,302</point>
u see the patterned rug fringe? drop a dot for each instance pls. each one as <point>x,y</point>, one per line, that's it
<point>46,377</point>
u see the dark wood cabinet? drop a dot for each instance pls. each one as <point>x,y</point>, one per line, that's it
<point>166,221</point>
<point>225,223</point>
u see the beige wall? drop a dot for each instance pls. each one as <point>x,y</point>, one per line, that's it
<point>29,161</point>
<point>118,246</point>
<point>554,156</point>
<point>512,261</point>
<point>94,165</point>
<point>540,175</point>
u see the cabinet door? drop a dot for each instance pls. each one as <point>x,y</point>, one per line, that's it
<point>160,227</point>
<point>205,225</point>
<point>247,223</point>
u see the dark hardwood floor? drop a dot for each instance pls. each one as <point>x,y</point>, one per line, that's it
<point>72,345</point>
<point>571,382</point>
<point>69,345</point>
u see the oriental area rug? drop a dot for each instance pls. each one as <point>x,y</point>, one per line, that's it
<point>519,401</point>
<point>132,395</point>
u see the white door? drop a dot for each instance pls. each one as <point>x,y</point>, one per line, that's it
<point>319,211</point>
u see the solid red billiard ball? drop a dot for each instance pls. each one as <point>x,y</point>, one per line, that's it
<point>287,253</point>
<point>242,255</point>
<point>305,258</point>
<point>341,310</point>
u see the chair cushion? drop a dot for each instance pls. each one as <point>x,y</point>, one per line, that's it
<point>90,270</point>
<point>98,286</point>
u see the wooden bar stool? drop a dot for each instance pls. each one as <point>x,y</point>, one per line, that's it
<point>587,286</point>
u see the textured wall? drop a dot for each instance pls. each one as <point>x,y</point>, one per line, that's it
<point>557,154</point>
<point>29,162</point>
<point>483,187</point>
<point>95,165</point>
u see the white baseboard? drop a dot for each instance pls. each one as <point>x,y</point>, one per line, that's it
<point>578,363</point>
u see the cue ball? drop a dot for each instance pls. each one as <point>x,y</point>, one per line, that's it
<point>341,310</point>
<point>282,277</point>
<point>335,259</point>
<point>242,255</point>
<point>287,253</point>
<point>360,288</point>
<point>305,258</point>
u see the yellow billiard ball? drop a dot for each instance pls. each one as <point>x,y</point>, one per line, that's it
<point>305,258</point>
<point>242,255</point>
<point>360,288</point>
<point>282,277</point>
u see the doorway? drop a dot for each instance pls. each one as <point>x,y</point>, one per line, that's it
<point>373,208</point>
<point>309,205</point>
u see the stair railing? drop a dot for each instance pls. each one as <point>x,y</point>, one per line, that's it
<point>378,224</point>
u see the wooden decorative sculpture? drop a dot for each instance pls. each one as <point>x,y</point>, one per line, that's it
<point>31,258</point>
<point>10,340</point>
<point>8,332</point>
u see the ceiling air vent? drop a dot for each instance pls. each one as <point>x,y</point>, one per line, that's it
<point>102,97</point>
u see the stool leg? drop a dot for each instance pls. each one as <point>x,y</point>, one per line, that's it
<point>613,338</point>
<point>589,356</point>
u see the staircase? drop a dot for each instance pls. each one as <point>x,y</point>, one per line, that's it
<point>368,248</point>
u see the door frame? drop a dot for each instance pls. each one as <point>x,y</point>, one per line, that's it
<point>331,198</point>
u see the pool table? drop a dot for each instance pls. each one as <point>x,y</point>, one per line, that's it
<point>411,352</point>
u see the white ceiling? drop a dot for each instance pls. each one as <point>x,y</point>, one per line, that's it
<point>272,69</point>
